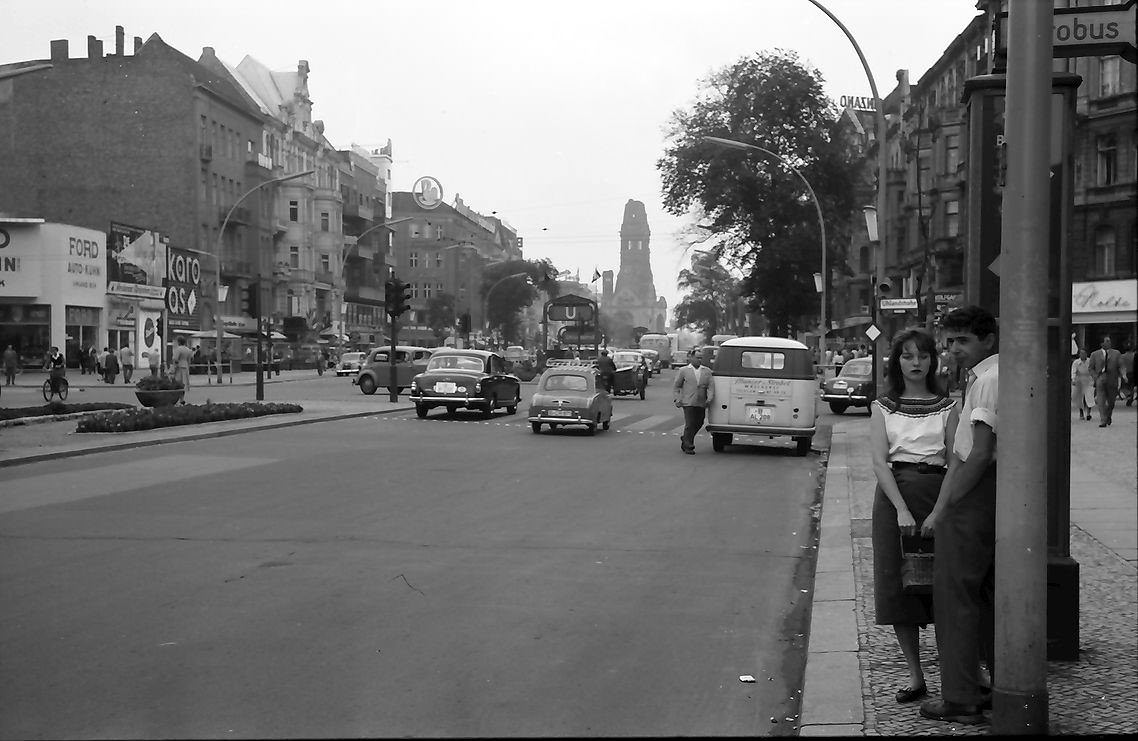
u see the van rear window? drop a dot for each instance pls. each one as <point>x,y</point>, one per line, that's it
<point>763,360</point>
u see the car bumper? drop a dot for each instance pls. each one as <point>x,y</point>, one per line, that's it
<point>563,420</point>
<point>852,399</point>
<point>765,430</point>
<point>453,401</point>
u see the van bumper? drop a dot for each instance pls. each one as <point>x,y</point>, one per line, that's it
<point>762,430</point>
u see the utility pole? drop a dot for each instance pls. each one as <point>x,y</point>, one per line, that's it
<point>1019,692</point>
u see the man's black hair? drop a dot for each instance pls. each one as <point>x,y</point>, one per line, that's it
<point>975,319</point>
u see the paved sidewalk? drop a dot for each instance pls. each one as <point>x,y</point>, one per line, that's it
<point>854,667</point>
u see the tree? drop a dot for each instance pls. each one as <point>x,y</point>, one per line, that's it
<point>712,293</point>
<point>440,315</point>
<point>512,295</point>
<point>759,208</point>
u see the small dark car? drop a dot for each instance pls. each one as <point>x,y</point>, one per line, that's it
<point>852,387</point>
<point>466,379</point>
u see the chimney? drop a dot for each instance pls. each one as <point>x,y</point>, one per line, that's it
<point>120,41</point>
<point>137,43</point>
<point>94,48</point>
<point>59,50</point>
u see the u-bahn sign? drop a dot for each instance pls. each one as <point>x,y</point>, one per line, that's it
<point>1087,32</point>
<point>570,308</point>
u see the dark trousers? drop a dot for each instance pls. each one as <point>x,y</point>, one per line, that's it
<point>1106,392</point>
<point>963,590</point>
<point>127,372</point>
<point>693,422</point>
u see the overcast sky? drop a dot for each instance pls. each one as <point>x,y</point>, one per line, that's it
<point>548,113</point>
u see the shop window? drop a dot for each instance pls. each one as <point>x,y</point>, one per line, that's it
<point>1104,251</point>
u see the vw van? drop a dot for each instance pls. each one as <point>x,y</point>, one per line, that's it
<point>764,386</point>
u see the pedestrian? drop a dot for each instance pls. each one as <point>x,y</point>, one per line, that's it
<point>126,362</point>
<point>111,366</point>
<point>607,369</point>
<point>1126,389</point>
<point>154,360</point>
<point>103,357</point>
<point>181,361</point>
<point>96,362</point>
<point>1105,365</point>
<point>693,392</point>
<point>11,365</point>
<point>1082,385</point>
<point>56,365</point>
<point>963,522</point>
<point>911,431</point>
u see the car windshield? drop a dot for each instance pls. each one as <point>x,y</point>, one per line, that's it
<point>625,357</point>
<point>856,370</point>
<point>566,383</point>
<point>455,362</point>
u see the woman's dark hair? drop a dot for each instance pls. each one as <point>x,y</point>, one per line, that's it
<point>895,381</point>
<point>974,319</point>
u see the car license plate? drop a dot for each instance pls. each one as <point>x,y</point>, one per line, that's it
<point>758,415</point>
<point>445,387</point>
<point>559,413</point>
<point>839,384</point>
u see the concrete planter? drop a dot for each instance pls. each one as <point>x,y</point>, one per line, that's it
<point>159,398</point>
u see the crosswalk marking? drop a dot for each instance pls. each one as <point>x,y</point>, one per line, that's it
<point>626,423</point>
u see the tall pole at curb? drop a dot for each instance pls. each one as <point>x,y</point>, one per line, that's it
<point>881,344</point>
<point>1019,692</point>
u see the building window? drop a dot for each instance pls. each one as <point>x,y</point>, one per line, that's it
<point>412,259</point>
<point>294,211</point>
<point>1109,76</point>
<point>952,218</point>
<point>440,232</point>
<point>1107,148</point>
<point>323,221</point>
<point>426,290</point>
<point>951,153</point>
<point>294,256</point>
<point>414,290</point>
<point>439,259</point>
<point>325,263</point>
<point>1104,251</point>
<point>439,288</point>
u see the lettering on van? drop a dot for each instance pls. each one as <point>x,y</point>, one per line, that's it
<point>762,386</point>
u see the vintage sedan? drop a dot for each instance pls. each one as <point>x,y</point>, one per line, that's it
<point>466,379</point>
<point>349,364</point>
<point>570,395</point>
<point>631,377</point>
<point>375,368</point>
<point>852,387</point>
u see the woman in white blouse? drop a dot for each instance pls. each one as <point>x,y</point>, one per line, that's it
<point>911,430</point>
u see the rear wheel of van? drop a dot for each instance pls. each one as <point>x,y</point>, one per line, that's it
<point>720,440</point>
<point>367,385</point>
<point>421,410</point>
<point>803,445</point>
<point>838,407</point>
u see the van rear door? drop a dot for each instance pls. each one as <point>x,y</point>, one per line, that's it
<point>759,384</point>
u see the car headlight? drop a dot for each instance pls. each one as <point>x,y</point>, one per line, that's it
<point>478,387</point>
<point>414,385</point>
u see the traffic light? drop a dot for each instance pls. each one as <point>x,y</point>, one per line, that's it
<point>251,299</point>
<point>397,297</point>
<point>885,288</point>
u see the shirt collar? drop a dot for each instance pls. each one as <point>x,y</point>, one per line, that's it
<point>985,364</point>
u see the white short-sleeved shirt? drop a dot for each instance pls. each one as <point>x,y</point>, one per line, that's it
<point>979,405</point>
<point>914,429</point>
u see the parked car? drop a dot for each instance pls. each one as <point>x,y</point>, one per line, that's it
<point>375,372</point>
<point>466,379</point>
<point>570,395</point>
<point>853,387</point>
<point>349,364</point>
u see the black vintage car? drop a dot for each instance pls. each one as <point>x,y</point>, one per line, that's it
<point>631,377</point>
<point>466,379</point>
<point>852,387</point>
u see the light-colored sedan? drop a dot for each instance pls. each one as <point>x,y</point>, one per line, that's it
<point>349,364</point>
<point>571,395</point>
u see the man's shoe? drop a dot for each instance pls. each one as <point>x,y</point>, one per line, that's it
<point>689,452</point>
<point>908,694</point>
<point>1103,424</point>
<point>950,712</point>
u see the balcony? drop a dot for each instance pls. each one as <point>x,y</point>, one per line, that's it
<point>240,215</point>
<point>301,276</point>
<point>325,276</point>
<point>353,210</point>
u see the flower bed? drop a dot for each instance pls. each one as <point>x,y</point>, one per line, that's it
<point>59,407</point>
<point>132,419</point>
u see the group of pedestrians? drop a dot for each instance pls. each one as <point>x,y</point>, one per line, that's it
<point>1100,379</point>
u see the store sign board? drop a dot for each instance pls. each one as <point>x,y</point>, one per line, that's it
<point>1104,296</point>
<point>21,261</point>
<point>183,289</point>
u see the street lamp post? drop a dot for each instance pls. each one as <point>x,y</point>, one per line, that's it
<point>881,343</point>
<point>486,298</point>
<point>821,227</point>
<point>217,275</point>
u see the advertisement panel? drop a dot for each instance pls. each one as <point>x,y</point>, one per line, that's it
<point>183,289</point>
<point>82,282</point>
<point>149,341</point>
<point>21,261</point>
<point>136,262</point>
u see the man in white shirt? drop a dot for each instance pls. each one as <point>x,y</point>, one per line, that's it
<point>126,362</point>
<point>693,392</point>
<point>964,525</point>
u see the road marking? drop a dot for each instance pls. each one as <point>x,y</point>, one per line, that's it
<point>150,472</point>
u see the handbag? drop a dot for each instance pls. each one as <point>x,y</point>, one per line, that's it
<point>917,567</point>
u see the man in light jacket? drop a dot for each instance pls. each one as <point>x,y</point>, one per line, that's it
<point>693,392</point>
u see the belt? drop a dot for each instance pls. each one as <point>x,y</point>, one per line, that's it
<point>921,467</point>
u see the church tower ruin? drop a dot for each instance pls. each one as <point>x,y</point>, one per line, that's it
<point>634,297</point>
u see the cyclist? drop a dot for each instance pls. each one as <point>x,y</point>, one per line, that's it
<point>57,366</point>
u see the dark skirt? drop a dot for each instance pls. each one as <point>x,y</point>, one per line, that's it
<point>893,606</point>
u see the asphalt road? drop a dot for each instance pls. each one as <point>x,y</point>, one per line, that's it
<point>389,576</point>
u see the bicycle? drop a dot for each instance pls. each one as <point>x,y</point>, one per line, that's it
<point>55,387</point>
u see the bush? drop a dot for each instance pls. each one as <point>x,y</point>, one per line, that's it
<point>158,383</point>
<point>59,407</point>
<point>133,419</point>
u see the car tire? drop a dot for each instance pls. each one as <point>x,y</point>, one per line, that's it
<point>536,427</point>
<point>720,441</point>
<point>491,405</point>
<point>513,408</point>
<point>838,407</point>
<point>421,410</point>
<point>803,446</point>
<point>606,423</point>
<point>367,385</point>
<point>592,429</point>
<point>451,409</point>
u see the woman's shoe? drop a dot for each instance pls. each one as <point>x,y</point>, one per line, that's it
<point>909,694</point>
